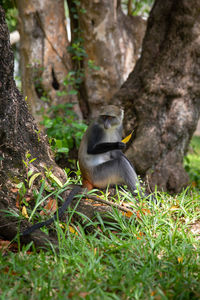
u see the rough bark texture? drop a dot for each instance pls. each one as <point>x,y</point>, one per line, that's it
<point>45,61</point>
<point>18,135</point>
<point>162,95</point>
<point>112,41</point>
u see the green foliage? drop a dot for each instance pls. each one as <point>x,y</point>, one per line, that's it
<point>64,131</point>
<point>77,50</point>
<point>73,80</point>
<point>142,7</point>
<point>78,53</point>
<point>192,162</point>
<point>92,65</point>
<point>139,7</point>
<point>11,14</point>
<point>11,19</point>
<point>7,4</point>
<point>38,188</point>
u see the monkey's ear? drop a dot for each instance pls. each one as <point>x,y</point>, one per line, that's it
<point>127,138</point>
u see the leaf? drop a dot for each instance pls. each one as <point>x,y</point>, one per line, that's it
<point>30,173</point>
<point>18,201</point>
<point>28,199</point>
<point>4,244</point>
<point>194,184</point>
<point>50,207</point>
<point>63,226</point>
<point>127,214</point>
<point>63,150</point>
<point>33,178</point>
<point>138,214</point>
<point>20,185</point>
<point>73,92</point>
<point>140,235</point>
<point>10,271</point>
<point>32,160</point>
<point>146,211</point>
<point>24,212</point>
<point>126,139</point>
<point>56,180</point>
<point>72,230</point>
<point>83,294</point>
<point>143,211</point>
<point>180,259</point>
<point>174,207</point>
<point>14,190</point>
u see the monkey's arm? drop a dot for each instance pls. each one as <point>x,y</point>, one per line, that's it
<point>105,147</point>
<point>60,212</point>
<point>94,147</point>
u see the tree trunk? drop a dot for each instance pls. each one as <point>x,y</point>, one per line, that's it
<point>45,62</point>
<point>18,136</point>
<point>161,96</point>
<point>112,42</point>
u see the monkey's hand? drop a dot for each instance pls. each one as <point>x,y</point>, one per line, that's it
<point>121,146</point>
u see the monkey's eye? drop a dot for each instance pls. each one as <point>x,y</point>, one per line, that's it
<point>104,117</point>
<point>107,121</point>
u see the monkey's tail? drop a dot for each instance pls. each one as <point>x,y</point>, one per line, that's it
<point>56,215</point>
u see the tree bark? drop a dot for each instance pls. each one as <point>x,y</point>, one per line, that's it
<point>45,62</point>
<point>112,42</point>
<point>161,95</point>
<point>18,134</point>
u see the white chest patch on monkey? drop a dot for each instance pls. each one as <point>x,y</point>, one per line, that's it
<point>97,159</point>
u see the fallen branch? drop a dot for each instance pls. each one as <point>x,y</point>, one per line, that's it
<point>95,198</point>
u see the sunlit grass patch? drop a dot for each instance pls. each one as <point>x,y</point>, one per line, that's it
<point>150,255</point>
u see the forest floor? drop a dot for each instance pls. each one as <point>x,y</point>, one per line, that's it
<point>154,254</point>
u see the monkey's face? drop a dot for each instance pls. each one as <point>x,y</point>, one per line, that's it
<point>108,121</point>
<point>111,117</point>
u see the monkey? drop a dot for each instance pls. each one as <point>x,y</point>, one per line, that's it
<point>101,159</point>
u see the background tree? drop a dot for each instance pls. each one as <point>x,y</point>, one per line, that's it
<point>44,59</point>
<point>111,41</point>
<point>161,95</point>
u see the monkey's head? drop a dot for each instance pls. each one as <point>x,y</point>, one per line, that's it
<point>111,116</point>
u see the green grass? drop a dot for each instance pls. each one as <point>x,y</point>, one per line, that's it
<point>156,256</point>
<point>192,161</point>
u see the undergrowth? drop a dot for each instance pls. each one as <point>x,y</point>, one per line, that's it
<point>192,162</point>
<point>152,254</point>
